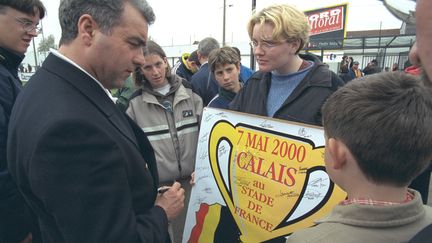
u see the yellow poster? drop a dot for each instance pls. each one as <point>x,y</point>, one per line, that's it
<point>257,179</point>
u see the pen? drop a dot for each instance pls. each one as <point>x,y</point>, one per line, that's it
<point>163,189</point>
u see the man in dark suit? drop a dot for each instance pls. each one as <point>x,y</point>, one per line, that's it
<point>87,171</point>
<point>203,81</point>
<point>19,21</point>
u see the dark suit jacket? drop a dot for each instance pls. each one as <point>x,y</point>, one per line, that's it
<point>87,171</point>
<point>205,84</point>
<point>16,218</point>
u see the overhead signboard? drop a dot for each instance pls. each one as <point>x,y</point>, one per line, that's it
<point>328,27</point>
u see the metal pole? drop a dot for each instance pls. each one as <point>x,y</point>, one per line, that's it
<point>42,32</point>
<point>379,45</point>
<point>252,57</point>
<point>223,23</point>
<point>34,52</point>
<point>43,38</point>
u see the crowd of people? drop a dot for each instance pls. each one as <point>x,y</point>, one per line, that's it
<point>349,68</point>
<point>79,165</point>
<point>25,68</point>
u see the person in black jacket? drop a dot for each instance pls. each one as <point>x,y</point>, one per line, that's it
<point>87,171</point>
<point>19,21</point>
<point>372,68</point>
<point>225,66</point>
<point>288,85</point>
<point>187,65</point>
<point>203,81</point>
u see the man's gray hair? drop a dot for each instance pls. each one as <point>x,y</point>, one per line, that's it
<point>106,13</point>
<point>207,45</point>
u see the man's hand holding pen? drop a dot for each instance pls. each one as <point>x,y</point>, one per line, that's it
<point>171,199</point>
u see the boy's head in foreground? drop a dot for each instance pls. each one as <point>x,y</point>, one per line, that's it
<point>378,129</point>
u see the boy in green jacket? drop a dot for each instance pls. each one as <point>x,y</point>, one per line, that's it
<point>378,139</point>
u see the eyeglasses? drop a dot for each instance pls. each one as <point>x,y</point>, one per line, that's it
<point>266,45</point>
<point>28,26</point>
<point>401,9</point>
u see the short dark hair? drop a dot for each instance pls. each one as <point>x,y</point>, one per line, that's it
<point>31,7</point>
<point>237,50</point>
<point>152,48</point>
<point>222,56</point>
<point>193,57</point>
<point>385,121</point>
<point>207,45</point>
<point>106,13</point>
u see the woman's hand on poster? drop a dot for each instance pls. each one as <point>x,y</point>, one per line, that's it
<point>192,180</point>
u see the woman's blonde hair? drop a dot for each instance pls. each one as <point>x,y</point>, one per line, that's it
<point>289,23</point>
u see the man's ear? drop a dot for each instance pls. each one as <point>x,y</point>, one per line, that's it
<point>200,56</point>
<point>338,152</point>
<point>86,28</point>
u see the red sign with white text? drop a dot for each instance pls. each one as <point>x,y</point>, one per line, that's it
<point>327,27</point>
<point>326,21</point>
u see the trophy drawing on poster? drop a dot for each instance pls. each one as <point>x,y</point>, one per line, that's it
<point>257,179</point>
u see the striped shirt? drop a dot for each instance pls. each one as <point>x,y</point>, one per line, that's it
<point>368,201</point>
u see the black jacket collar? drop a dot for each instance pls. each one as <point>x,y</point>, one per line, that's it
<point>89,88</point>
<point>229,95</point>
<point>10,60</point>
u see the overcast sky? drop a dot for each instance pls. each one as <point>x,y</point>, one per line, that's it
<point>181,22</point>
